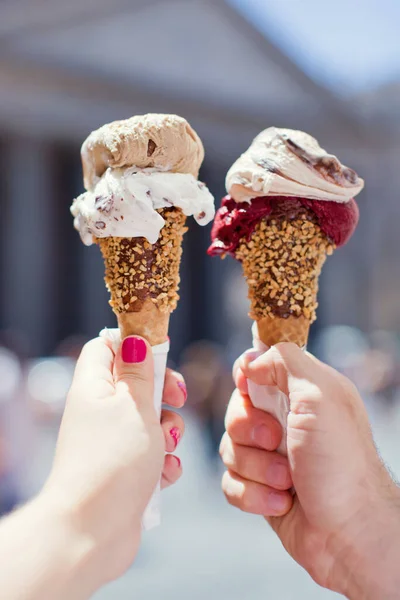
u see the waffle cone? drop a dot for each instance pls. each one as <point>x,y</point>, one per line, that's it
<point>292,329</point>
<point>143,278</point>
<point>282,262</point>
<point>150,323</point>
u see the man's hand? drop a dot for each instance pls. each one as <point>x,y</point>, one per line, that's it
<point>343,523</point>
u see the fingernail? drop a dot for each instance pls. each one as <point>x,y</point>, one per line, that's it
<point>277,502</point>
<point>182,386</point>
<point>133,350</point>
<point>178,460</point>
<point>277,474</point>
<point>262,437</point>
<point>176,435</point>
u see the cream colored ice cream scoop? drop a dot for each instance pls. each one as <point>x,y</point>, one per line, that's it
<point>285,162</point>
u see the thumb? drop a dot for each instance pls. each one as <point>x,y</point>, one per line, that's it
<point>277,366</point>
<point>134,370</point>
<point>296,373</point>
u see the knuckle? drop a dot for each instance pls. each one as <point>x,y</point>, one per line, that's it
<point>286,348</point>
<point>225,484</point>
<point>132,377</point>
<point>234,409</point>
<point>246,501</point>
<point>313,392</point>
<point>228,454</point>
<point>222,445</point>
<point>229,417</point>
<point>233,423</point>
<point>231,499</point>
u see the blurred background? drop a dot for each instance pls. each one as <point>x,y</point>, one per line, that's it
<point>232,69</point>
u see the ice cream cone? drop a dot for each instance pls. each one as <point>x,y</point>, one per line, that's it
<point>282,262</point>
<point>143,278</point>
<point>141,183</point>
<point>292,329</point>
<point>149,322</point>
<point>290,204</point>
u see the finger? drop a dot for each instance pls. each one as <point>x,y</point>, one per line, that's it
<point>255,498</point>
<point>235,367</point>
<point>134,370</point>
<point>251,426</point>
<point>241,382</point>
<point>94,367</point>
<point>250,355</point>
<point>305,380</point>
<point>268,468</point>
<point>272,367</point>
<point>283,361</point>
<point>175,392</point>
<point>173,427</point>
<point>171,472</point>
<point>238,377</point>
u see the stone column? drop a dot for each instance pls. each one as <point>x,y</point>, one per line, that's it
<point>27,243</point>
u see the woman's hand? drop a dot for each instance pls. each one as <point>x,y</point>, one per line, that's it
<point>111,454</point>
<point>343,524</point>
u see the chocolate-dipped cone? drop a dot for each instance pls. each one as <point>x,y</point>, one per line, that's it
<point>143,278</point>
<point>282,262</point>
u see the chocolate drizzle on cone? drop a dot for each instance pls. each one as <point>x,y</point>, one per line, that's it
<point>282,263</point>
<point>137,271</point>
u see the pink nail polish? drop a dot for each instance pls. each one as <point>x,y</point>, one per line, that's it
<point>182,386</point>
<point>133,350</point>
<point>176,435</point>
<point>178,460</point>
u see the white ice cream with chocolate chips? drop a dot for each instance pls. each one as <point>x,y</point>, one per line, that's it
<point>124,203</point>
<point>285,162</point>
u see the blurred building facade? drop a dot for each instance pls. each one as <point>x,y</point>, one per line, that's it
<point>67,71</point>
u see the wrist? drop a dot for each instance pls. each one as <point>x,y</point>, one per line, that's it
<point>93,537</point>
<point>70,552</point>
<point>366,567</point>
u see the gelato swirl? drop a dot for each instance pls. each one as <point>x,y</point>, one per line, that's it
<point>124,203</point>
<point>285,162</point>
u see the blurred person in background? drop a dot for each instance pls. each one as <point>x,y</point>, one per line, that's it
<point>71,346</point>
<point>370,361</point>
<point>343,523</point>
<point>84,528</point>
<point>384,363</point>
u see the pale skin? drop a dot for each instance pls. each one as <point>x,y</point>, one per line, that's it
<point>84,528</point>
<point>343,523</point>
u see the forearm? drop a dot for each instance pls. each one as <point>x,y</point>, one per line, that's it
<point>42,558</point>
<point>370,568</point>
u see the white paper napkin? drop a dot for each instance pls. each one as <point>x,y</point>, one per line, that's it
<point>152,515</point>
<point>269,398</point>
